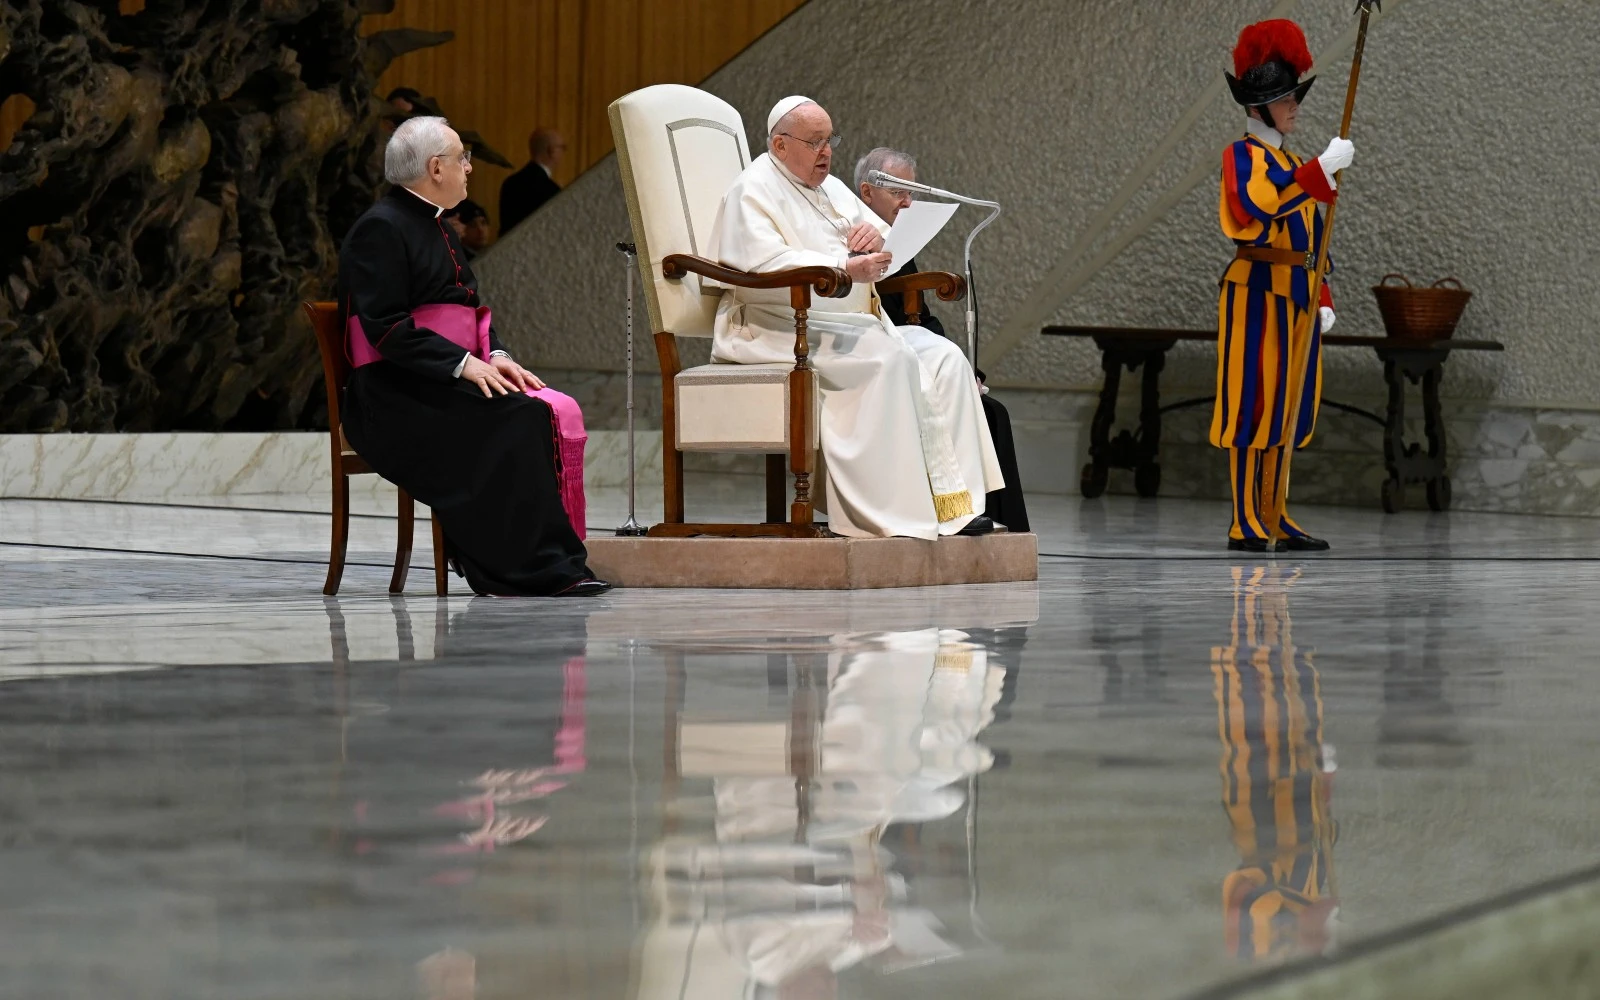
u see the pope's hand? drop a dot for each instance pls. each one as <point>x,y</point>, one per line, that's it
<point>867,267</point>
<point>515,373</point>
<point>487,377</point>
<point>1327,318</point>
<point>864,238</point>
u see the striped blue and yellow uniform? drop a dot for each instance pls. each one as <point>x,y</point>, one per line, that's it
<point>1275,790</point>
<point>1269,356</point>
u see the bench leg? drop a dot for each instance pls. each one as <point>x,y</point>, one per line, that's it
<point>1147,446</point>
<point>1092,481</point>
<point>1394,437</point>
<point>1438,485</point>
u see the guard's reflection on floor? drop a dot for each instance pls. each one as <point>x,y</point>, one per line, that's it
<point>840,837</point>
<point>1277,777</point>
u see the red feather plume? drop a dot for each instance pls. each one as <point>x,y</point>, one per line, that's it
<point>1266,41</point>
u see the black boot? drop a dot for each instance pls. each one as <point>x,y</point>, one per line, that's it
<point>1252,545</point>
<point>1305,543</point>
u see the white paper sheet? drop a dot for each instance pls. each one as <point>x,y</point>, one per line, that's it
<point>917,224</point>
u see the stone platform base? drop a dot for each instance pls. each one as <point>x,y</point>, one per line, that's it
<point>812,563</point>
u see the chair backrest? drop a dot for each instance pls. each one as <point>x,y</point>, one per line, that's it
<point>324,318</point>
<point>678,150</point>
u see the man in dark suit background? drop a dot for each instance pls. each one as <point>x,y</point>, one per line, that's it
<point>1006,504</point>
<point>527,189</point>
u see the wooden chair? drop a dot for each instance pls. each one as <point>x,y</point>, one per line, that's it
<point>324,318</point>
<point>678,151</point>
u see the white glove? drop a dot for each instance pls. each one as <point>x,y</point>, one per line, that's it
<point>1327,318</point>
<point>1338,155</point>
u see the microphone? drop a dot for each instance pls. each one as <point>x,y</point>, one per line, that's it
<point>878,178</point>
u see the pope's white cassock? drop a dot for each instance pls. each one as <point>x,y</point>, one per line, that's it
<point>905,447</point>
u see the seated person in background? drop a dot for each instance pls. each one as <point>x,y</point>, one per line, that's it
<point>471,224</point>
<point>1005,505</point>
<point>525,191</point>
<point>452,429</point>
<point>904,447</point>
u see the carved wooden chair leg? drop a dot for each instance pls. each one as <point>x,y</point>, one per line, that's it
<point>341,533</point>
<point>402,543</point>
<point>441,564</point>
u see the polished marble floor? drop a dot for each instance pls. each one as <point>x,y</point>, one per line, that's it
<point>1148,774</point>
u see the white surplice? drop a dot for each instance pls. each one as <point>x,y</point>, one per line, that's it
<point>901,420</point>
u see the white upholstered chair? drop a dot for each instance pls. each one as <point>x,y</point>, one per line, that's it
<point>679,150</point>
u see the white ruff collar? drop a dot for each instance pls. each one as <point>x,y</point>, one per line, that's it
<point>1266,133</point>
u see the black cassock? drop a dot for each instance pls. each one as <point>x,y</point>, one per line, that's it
<point>485,466</point>
<point>1005,504</point>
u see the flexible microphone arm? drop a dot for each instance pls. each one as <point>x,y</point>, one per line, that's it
<point>878,178</point>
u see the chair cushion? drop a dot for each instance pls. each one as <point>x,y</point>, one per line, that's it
<point>723,407</point>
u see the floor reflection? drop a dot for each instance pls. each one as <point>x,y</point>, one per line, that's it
<point>838,835</point>
<point>814,795</point>
<point>818,796</point>
<point>1277,777</point>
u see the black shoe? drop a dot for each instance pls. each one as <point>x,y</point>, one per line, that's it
<point>1305,543</point>
<point>584,588</point>
<point>983,524</point>
<point>1252,545</point>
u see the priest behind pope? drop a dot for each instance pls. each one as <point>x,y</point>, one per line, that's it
<point>905,449</point>
<point>452,429</point>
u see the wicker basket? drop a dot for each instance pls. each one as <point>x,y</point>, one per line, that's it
<point>1412,313</point>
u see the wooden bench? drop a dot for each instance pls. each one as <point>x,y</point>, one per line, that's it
<point>1417,361</point>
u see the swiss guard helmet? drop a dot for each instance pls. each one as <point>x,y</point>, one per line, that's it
<point>1268,61</point>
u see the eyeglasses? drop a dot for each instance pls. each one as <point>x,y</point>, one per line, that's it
<point>465,158</point>
<point>896,193</point>
<point>816,145</point>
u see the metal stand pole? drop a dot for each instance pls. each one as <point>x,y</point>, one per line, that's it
<point>972,291</point>
<point>631,526</point>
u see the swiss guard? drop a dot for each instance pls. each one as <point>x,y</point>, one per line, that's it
<point>1269,357</point>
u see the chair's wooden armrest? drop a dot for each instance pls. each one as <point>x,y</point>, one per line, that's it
<point>828,282</point>
<point>949,287</point>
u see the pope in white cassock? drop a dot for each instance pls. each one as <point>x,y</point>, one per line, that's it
<point>905,449</point>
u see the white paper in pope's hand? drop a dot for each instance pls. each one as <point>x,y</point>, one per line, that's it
<point>917,224</point>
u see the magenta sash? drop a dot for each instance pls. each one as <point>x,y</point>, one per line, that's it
<point>468,329</point>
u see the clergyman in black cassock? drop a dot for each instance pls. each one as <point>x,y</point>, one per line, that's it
<point>484,464</point>
<point>1005,504</point>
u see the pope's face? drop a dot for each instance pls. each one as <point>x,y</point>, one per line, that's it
<point>887,202</point>
<point>794,145</point>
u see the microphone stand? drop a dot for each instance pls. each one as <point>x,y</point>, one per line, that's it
<point>881,179</point>
<point>630,527</point>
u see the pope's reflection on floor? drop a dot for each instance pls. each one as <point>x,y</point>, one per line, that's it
<point>839,836</point>
<point>818,795</point>
<point>1277,777</point>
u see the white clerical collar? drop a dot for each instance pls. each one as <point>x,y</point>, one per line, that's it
<point>547,171</point>
<point>1266,133</point>
<point>437,211</point>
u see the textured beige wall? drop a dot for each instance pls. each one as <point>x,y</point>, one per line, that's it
<point>1477,156</point>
